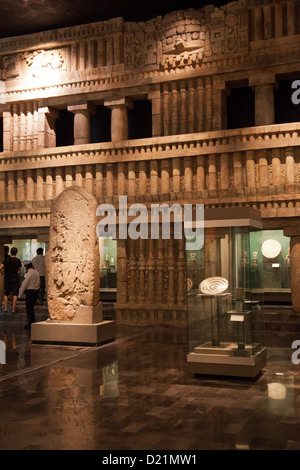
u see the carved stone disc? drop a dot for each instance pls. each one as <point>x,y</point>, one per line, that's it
<point>271,248</point>
<point>213,285</point>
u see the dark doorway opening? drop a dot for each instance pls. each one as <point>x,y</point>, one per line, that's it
<point>101,125</point>
<point>285,109</point>
<point>64,128</point>
<point>140,120</point>
<point>240,108</point>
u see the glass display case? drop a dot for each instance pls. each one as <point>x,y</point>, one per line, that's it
<point>225,296</point>
<point>108,263</point>
<point>273,263</point>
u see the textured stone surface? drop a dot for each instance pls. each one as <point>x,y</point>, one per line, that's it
<point>74,275</point>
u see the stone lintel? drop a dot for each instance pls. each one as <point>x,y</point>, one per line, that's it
<point>89,106</point>
<point>51,332</point>
<point>49,110</point>
<point>262,79</point>
<point>119,103</point>
<point>291,231</point>
<point>219,83</point>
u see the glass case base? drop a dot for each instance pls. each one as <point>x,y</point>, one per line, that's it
<point>225,349</point>
<point>230,365</point>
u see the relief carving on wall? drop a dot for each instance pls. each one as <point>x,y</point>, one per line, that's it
<point>32,64</point>
<point>186,37</point>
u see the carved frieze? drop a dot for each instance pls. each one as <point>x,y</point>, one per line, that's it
<point>32,63</point>
<point>186,37</point>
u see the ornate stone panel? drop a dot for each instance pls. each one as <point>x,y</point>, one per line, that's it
<point>73,258</point>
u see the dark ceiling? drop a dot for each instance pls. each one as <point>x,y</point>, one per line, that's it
<point>27,16</point>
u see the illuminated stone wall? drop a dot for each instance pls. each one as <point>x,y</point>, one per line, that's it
<point>185,64</point>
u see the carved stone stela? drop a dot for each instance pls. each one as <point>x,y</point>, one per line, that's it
<point>74,276</point>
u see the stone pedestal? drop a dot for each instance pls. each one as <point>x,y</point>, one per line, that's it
<point>73,261</point>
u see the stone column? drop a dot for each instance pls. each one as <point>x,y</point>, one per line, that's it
<point>238,171</point>
<point>165,176</point>
<point>11,186</point>
<point>153,177</point>
<point>151,271</point>
<point>219,104</point>
<point>99,180</point>
<point>2,186</point>
<point>276,172</point>
<point>49,184</point>
<point>119,118</point>
<point>121,179</point>
<point>264,99</point>
<point>142,178</point>
<point>154,97</point>
<point>30,185</point>
<point>20,186</point>
<point>131,178</point>
<point>122,272</point>
<point>39,184</point>
<point>82,122</point>
<point>208,105</point>
<point>188,175</point>
<point>224,171</point>
<point>212,173</point>
<point>250,168</point>
<point>200,172</point>
<point>290,166</point>
<point>176,175</point>
<point>200,105</point>
<point>46,127</point>
<point>181,272</point>
<point>7,134</point>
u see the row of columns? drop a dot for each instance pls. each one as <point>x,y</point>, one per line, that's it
<point>250,169</point>
<point>28,126</point>
<point>102,52</point>
<point>119,120</point>
<point>151,266</point>
<point>186,106</point>
<point>273,21</point>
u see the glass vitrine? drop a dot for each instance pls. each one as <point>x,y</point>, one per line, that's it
<point>225,296</point>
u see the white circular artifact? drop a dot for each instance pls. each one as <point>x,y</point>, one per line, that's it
<point>271,248</point>
<point>213,285</point>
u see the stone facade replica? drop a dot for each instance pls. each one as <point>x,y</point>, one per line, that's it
<point>185,64</point>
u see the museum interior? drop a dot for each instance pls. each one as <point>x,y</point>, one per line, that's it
<point>175,125</point>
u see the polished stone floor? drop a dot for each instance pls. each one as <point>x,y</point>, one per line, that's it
<point>137,394</point>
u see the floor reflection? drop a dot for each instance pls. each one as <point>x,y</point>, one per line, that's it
<point>136,394</point>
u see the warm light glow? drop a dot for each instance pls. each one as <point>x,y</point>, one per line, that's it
<point>276,391</point>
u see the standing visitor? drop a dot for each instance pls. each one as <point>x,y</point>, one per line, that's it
<point>31,287</point>
<point>38,263</point>
<point>11,268</point>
